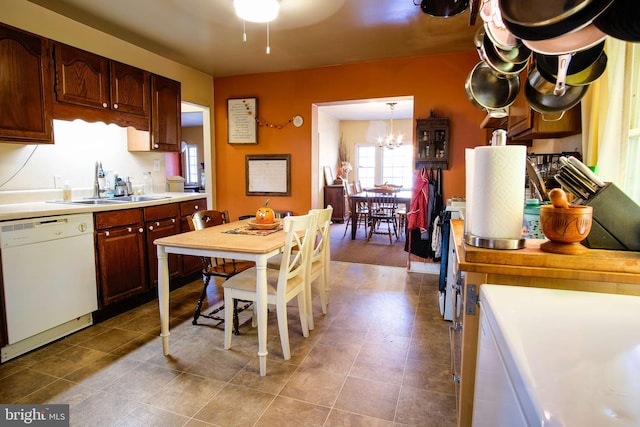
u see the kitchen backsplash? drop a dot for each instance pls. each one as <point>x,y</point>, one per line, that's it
<point>38,172</point>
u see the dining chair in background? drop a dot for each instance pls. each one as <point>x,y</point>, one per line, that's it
<point>216,267</point>
<point>382,207</point>
<point>357,217</point>
<point>284,284</point>
<point>320,260</point>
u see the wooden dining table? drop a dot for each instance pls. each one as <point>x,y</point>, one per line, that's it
<point>231,240</point>
<point>402,196</point>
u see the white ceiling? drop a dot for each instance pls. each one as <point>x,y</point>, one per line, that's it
<point>206,35</point>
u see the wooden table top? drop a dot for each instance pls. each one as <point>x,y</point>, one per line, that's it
<point>215,238</point>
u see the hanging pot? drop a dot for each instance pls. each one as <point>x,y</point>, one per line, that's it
<point>580,40</point>
<point>444,8</point>
<point>621,20</point>
<point>518,54</point>
<point>547,25</point>
<point>548,103</point>
<point>489,92</point>
<point>584,68</point>
<point>488,54</point>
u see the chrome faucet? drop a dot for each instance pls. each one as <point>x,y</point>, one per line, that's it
<point>98,173</point>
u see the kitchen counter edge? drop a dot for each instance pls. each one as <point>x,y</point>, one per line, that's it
<point>42,209</point>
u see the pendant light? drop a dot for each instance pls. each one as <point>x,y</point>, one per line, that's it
<point>391,141</point>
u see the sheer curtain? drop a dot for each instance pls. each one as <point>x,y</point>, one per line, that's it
<point>610,117</point>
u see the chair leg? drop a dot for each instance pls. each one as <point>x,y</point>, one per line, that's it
<point>283,329</point>
<point>236,319</point>
<point>203,295</point>
<point>228,319</point>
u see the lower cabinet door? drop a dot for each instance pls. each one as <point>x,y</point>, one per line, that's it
<point>122,265</point>
<point>156,230</point>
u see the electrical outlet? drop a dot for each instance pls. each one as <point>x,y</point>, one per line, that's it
<point>156,165</point>
<point>57,181</point>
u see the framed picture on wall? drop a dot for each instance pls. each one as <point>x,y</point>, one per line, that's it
<point>268,175</point>
<point>242,124</point>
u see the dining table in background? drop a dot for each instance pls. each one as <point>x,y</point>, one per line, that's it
<point>402,197</point>
<point>221,241</point>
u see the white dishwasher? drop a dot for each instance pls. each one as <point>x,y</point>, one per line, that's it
<point>49,279</point>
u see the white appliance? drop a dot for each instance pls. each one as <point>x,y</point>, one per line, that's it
<point>49,278</point>
<point>446,296</point>
<point>556,358</point>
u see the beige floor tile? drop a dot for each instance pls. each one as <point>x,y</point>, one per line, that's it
<point>331,359</point>
<point>287,412</point>
<point>144,415</point>
<point>314,386</point>
<point>235,406</point>
<point>186,394</point>
<point>339,418</point>
<point>426,408</point>
<point>370,398</point>
<point>22,383</point>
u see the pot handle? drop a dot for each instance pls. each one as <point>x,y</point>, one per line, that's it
<point>545,119</point>
<point>563,67</point>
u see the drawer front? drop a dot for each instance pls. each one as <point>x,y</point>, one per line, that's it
<point>192,206</point>
<point>155,213</point>
<point>104,220</point>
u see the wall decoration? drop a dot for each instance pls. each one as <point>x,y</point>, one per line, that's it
<point>328,175</point>
<point>268,175</point>
<point>242,124</point>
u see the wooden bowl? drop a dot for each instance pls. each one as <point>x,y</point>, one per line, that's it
<point>565,228</point>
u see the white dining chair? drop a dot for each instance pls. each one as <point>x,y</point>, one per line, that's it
<point>320,260</point>
<point>283,284</point>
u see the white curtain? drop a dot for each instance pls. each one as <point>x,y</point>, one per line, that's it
<point>610,117</point>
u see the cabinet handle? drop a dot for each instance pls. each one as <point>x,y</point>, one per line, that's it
<point>105,105</point>
<point>115,106</point>
<point>156,146</point>
<point>173,220</point>
<point>106,233</point>
<point>129,229</point>
<point>141,230</point>
<point>196,207</point>
<point>150,227</point>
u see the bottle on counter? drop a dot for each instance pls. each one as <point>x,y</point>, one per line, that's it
<point>66,191</point>
<point>147,183</point>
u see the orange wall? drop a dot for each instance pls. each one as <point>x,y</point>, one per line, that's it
<point>436,82</point>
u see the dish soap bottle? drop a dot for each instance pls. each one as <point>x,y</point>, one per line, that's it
<point>147,183</point>
<point>66,191</point>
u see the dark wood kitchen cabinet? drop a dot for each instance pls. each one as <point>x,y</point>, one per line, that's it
<point>166,122</point>
<point>334,195</point>
<point>106,90</point>
<point>25,96</point>
<point>190,264</point>
<point>121,260</point>
<point>161,221</point>
<point>432,143</point>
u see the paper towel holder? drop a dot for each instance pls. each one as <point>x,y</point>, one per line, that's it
<point>493,243</point>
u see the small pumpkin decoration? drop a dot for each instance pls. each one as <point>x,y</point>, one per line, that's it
<point>265,214</point>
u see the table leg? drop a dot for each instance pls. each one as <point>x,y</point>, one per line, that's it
<point>163,297</point>
<point>261,306</point>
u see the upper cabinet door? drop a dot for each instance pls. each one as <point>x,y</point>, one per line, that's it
<point>166,119</point>
<point>82,78</point>
<point>129,89</point>
<point>25,88</point>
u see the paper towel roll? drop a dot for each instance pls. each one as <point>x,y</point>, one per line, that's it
<point>498,192</point>
<point>468,153</point>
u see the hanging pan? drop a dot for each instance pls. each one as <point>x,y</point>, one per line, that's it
<point>489,92</point>
<point>546,26</point>
<point>548,103</point>
<point>444,8</point>
<point>584,68</point>
<point>621,20</point>
<point>486,50</point>
<point>582,39</point>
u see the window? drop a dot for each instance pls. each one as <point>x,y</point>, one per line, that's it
<point>376,165</point>
<point>191,164</point>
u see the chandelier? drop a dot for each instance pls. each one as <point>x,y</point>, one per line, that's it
<point>257,11</point>
<point>390,141</point>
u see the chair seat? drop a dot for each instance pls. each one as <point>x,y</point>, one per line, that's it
<point>246,281</point>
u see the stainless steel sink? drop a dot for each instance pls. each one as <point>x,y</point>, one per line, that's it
<point>111,200</point>
<point>138,198</point>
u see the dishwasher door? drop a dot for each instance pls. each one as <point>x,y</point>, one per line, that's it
<point>49,276</point>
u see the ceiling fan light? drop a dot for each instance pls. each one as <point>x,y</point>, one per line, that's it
<point>257,10</point>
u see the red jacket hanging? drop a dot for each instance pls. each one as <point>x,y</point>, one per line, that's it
<point>417,214</point>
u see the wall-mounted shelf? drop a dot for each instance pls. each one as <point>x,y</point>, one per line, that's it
<point>432,144</point>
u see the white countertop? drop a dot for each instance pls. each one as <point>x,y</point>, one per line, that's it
<point>575,356</point>
<point>34,209</point>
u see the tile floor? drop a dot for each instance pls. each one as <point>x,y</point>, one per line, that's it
<point>380,357</point>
